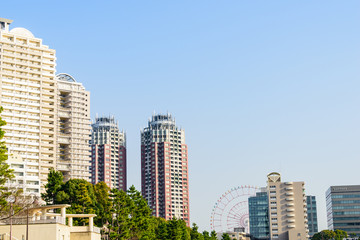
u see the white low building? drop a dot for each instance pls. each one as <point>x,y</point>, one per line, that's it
<point>44,224</point>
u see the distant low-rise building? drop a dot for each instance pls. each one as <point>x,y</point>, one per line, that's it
<point>237,234</point>
<point>45,224</point>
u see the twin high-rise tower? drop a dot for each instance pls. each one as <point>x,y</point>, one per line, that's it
<point>108,153</point>
<point>48,127</point>
<point>164,168</point>
<point>164,163</point>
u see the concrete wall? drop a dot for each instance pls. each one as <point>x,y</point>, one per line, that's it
<point>85,236</point>
<point>38,231</point>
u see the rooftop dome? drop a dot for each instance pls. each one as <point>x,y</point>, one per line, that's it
<point>65,77</point>
<point>22,31</point>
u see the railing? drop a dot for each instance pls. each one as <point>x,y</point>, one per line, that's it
<point>84,229</point>
<point>22,220</point>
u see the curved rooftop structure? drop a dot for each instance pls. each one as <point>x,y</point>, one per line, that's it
<point>22,32</point>
<point>65,77</point>
<point>105,123</point>
<point>162,119</point>
<point>274,177</point>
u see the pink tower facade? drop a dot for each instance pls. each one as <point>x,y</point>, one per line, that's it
<point>108,153</point>
<point>164,168</point>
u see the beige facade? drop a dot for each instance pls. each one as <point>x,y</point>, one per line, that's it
<point>73,128</point>
<point>287,209</point>
<point>28,96</point>
<point>44,224</point>
<point>35,108</point>
<point>236,235</point>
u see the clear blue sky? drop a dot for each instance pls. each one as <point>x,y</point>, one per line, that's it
<point>258,86</point>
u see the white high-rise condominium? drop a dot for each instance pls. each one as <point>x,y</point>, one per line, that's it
<point>73,155</point>
<point>32,102</point>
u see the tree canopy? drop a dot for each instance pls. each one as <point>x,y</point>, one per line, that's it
<point>330,235</point>
<point>225,236</point>
<point>121,215</point>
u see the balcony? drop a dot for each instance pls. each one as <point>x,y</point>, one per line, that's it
<point>63,167</point>
<point>64,140</point>
<point>64,114</point>
<point>291,225</point>
<point>290,215</point>
<point>47,164</point>
<point>289,199</point>
<point>289,188</point>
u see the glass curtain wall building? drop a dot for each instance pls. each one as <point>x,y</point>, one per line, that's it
<point>312,215</point>
<point>259,215</point>
<point>343,208</point>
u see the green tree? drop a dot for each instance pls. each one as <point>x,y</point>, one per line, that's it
<point>324,235</point>
<point>352,235</point>
<point>340,234</point>
<point>119,222</point>
<point>140,215</point>
<point>195,235</point>
<point>79,193</point>
<point>161,230</point>
<point>53,186</point>
<point>103,204</point>
<point>177,230</point>
<point>5,172</point>
<point>206,235</point>
<point>213,235</point>
<point>225,236</point>
<point>131,217</point>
